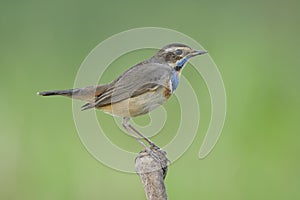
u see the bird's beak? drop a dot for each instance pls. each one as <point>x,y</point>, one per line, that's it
<point>196,53</point>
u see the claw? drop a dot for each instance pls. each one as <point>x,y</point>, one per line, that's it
<point>153,155</point>
<point>154,146</point>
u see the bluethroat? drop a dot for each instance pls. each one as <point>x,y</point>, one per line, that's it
<point>137,91</point>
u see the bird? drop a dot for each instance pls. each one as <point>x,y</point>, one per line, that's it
<point>139,90</point>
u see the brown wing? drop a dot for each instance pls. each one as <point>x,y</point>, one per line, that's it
<point>135,81</point>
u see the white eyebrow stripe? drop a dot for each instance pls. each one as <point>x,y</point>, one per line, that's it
<point>173,48</point>
<point>169,49</point>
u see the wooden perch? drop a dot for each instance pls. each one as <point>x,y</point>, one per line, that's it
<point>152,170</point>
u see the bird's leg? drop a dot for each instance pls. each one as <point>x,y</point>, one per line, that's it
<point>126,126</point>
<point>152,144</point>
<point>130,129</point>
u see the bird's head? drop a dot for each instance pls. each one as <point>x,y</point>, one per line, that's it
<point>176,55</point>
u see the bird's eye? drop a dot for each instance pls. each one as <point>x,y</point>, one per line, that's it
<point>178,51</point>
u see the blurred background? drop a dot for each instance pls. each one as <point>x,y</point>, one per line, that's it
<point>255,44</point>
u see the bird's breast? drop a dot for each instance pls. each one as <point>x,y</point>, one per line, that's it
<point>174,81</point>
<point>171,84</point>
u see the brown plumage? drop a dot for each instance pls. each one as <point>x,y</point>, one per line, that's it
<point>138,90</point>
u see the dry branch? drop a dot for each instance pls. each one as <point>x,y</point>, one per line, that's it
<point>152,170</point>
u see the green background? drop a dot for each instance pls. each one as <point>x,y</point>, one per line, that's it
<point>255,44</point>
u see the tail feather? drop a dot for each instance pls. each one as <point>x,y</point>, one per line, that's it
<point>57,92</point>
<point>87,94</point>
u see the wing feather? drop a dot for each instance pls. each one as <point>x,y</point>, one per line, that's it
<point>135,81</point>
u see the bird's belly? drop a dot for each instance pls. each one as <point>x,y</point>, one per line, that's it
<point>138,105</point>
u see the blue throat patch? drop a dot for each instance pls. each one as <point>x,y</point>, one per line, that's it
<point>174,80</point>
<point>181,62</point>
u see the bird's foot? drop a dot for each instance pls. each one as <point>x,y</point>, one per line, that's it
<point>154,146</point>
<point>153,155</point>
<point>157,148</point>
